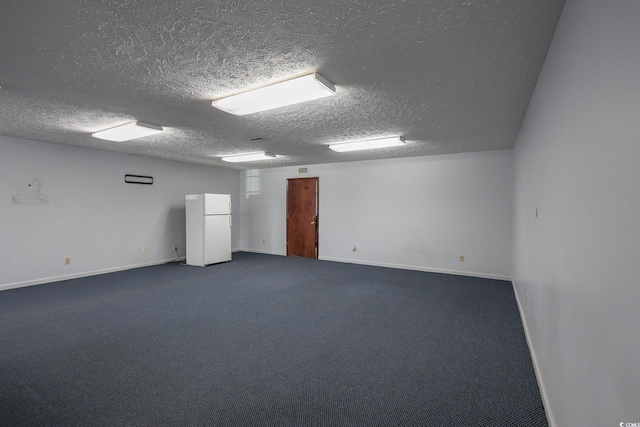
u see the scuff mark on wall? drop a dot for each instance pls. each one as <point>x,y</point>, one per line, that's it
<point>29,192</point>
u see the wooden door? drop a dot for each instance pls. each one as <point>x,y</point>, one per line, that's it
<point>302,217</point>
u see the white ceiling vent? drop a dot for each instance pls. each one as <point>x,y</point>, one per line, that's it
<point>303,170</point>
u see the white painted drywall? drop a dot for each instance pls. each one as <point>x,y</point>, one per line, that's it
<point>417,213</point>
<point>59,201</point>
<point>578,162</point>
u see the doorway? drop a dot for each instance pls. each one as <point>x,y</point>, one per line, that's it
<point>302,217</point>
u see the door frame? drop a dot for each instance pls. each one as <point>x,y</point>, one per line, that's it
<point>317,215</point>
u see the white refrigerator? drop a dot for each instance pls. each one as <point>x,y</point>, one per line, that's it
<point>208,220</point>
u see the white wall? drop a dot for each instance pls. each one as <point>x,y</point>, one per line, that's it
<point>59,201</point>
<point>417,213</point>
<point>578,162</point>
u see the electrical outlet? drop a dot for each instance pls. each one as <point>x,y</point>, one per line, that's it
<point>461,258</point>
<point>144,249</point>
<point>67,260</point>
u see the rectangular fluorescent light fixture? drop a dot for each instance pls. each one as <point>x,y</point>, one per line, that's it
<point>299,89</point>
<point>393,141</point>
<point>249,157</point>
<point>129,131</point>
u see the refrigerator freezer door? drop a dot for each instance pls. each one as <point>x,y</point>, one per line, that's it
<point>217,204</point>
<point>217,240</point>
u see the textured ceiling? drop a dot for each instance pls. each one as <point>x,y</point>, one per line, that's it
<point>449,75</point>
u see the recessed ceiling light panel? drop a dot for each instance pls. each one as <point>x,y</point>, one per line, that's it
<point>129,131</point>
<point>293,91</point>
<point>368,144</point>
<point>249,157</point>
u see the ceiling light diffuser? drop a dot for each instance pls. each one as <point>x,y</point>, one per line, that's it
<point>368,144</point>
<point>299,89</point>
<point>129,131</point>
<point>249,157</point>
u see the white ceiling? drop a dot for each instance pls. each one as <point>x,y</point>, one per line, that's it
<point>449,75</point>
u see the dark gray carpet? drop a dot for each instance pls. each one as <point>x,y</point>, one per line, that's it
<point>266,341</point>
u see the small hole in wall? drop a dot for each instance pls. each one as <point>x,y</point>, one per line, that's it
<point>259,138</point>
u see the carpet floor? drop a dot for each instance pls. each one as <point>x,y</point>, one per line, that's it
<point>266,341</point>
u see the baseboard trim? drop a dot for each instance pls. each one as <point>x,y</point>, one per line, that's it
<point>84,274</point>
<point>391,265</point>
<point>536,367</point>
<point>418,268</point>
<point>258,251</point>
<point>323,258</point>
